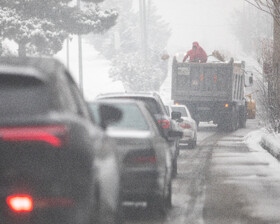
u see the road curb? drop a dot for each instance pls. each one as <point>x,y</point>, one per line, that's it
<point>269,143</point>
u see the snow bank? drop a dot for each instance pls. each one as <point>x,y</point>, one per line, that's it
<point>271,142</point>
<point>262,138</point>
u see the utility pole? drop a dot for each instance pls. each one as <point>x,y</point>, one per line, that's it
<point>80,55</point>
<point>143,27</point>
<point>67,53</point>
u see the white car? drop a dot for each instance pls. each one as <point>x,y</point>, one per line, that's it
<point>187,124</point>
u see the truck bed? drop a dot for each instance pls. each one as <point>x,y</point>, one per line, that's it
<point>199,82</point>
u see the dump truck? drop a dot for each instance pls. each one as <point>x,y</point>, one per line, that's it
<point>211,91</point>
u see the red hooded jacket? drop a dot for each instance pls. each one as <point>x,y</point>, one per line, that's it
<point>196,55</point>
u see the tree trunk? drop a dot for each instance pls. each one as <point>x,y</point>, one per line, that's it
<point>21,50</point>
<point>276,56</point>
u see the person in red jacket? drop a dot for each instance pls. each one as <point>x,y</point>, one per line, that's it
<point>196,54</point>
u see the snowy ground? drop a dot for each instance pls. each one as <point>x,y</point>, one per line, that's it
<point>263,139</point>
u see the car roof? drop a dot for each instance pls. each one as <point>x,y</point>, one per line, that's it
<point>117,101</point>
<point>129,94</point>
<point>40,68</point>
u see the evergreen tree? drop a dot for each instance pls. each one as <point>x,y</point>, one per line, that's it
<point>122,46</point>
<point>41,26</point>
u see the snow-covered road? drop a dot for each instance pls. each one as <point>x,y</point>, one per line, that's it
<point>221,181</point>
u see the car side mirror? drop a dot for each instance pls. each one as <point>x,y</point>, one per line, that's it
<point>109,115</point>
<point>175,115</point>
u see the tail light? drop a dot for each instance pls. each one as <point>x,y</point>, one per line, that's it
<point>164,123</point>
<point>185,126</point>
<point>20,203</point>
<point>144,157</point>
<point>55,135</point>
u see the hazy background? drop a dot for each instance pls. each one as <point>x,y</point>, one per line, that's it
<point>207,21</point>
<point>210,22</point>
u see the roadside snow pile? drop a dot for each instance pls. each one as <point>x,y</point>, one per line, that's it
<point>268,141</point>
<point>271,142</point>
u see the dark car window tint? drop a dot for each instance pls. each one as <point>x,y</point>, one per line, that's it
<point>22,95</point>
<point>182,110</point>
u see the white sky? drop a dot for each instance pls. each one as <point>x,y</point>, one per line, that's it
<point>205,21</point>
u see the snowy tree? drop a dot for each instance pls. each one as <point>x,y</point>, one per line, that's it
<point>250,27</point>
<point>40,26</point>
<point>122,46</point>
<point>272,8</point>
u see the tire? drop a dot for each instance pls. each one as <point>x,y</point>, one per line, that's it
<point>192,144</point>
<point>159,206</point>
<point>174,168</point>
<point>169,196</point>
<point>242,118</point>
<point>234,121</point>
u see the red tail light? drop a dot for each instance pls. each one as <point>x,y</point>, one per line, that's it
<point>142,159</point>
<point>186,126</point>
<point>164,123</point>
<point>53,135</point>
<point>20,203</point>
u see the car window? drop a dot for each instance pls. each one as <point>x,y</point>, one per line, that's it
<point>151,103</point>
<point>182,110</point>
<point>132,117</point>
<point>22,95</point>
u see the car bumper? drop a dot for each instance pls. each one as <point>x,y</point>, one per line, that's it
<point>139,184</point>
<point>188,135</point>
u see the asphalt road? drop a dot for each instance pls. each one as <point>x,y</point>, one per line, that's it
<point>222,181</point>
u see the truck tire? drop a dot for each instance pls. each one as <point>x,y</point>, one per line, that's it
<point>242,117</point>
<point>233,120</point>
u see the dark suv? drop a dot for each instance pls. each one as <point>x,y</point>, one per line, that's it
<point>48,145</point>
<point>157,108</point>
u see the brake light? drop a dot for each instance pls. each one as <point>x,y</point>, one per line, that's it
<point>53,135</point>
<point>164,123</point>
<point>20,203</point>
<point>143,159</point>
<point>186,126</point>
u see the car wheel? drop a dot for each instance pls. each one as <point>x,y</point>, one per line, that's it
<point>174,168</point>
<point>169,196</point>
<point>158,206</point>
<point>192,144</point>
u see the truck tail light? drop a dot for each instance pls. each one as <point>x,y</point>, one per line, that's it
<point>54,135</point>
<point>20,203</point>
<point>164,123</point>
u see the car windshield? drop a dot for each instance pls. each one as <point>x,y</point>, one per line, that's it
<point>132,117</point>
<point>182,110</point>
